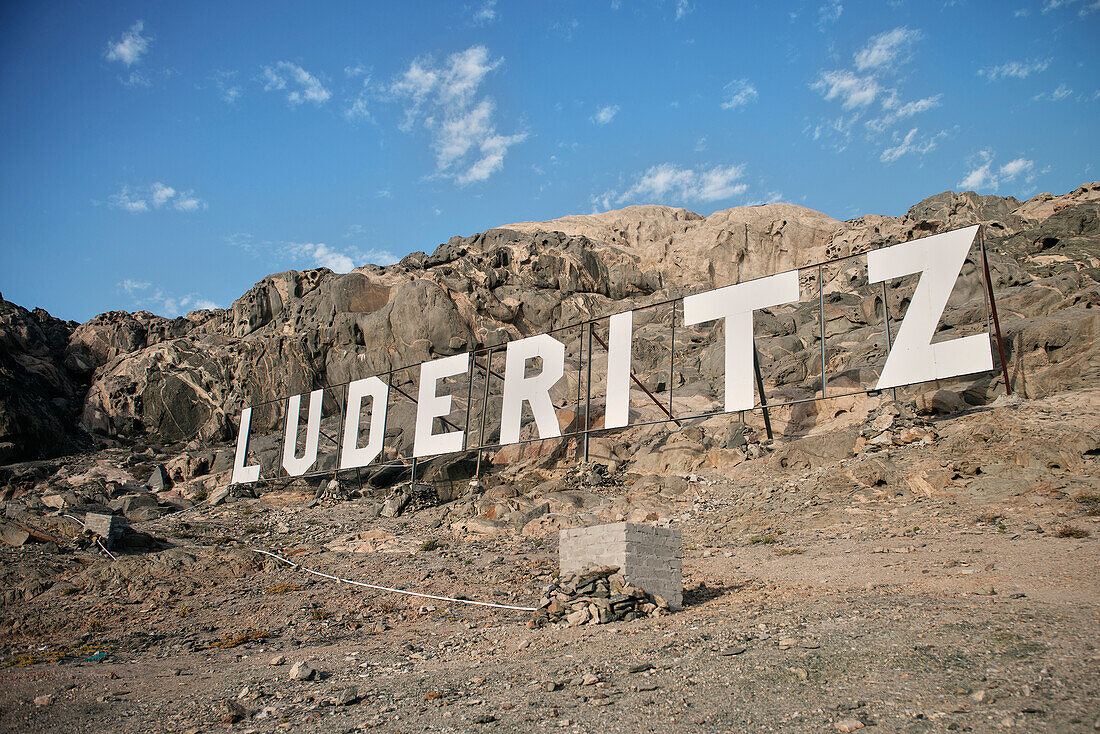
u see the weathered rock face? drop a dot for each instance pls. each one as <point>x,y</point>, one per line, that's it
<point>144,377</point>
<point>39,396</point>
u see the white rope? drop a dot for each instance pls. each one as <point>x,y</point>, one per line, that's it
<point>396,591</point>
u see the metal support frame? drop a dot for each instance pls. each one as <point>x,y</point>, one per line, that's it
<point>886,323</point>
<point>760,389</point>
<point>584,365</point>
<point>993,310</point>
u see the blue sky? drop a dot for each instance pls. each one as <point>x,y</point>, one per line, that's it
<point>168,155</point>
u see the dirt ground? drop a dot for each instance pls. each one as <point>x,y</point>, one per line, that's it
<point>945,585</point>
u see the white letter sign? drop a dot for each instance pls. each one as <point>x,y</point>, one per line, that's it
<point>735,304</point>
<point>351,455</point>
<point>535,389</point>
<point>431,405</point>
<point>913,358</point>
<point>244,474</point>
<point>296,467</point>
<point>619,334</point>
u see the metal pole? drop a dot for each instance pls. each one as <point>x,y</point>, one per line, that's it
<point>821,306</point>
<point>993,310</point>
<point>469,401</point>
<point>412,472</point>
<point>580,365</point>
<point>886,320</point>
<point>588,394</point>
<point>672,359</point>
<point>340,446</point>
<point>279,471</point>
<point>645,389</point>
<point>484,408</point>
<point>760,389</point>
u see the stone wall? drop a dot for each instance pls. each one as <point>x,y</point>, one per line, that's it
<point>647,556</point>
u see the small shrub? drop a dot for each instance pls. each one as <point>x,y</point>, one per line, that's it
<point>1090,503</point>
<point>431,545</point>
<point>283,588</point>
<point>1072,531</point>
<point>766,539</point>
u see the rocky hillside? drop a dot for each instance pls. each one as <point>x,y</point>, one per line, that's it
<point>918,562</point>
<point>140,377</point>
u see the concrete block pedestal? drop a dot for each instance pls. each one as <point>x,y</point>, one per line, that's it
<point>647,556</point>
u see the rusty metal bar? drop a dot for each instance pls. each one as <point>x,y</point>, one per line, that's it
<point>760,389</point>
<point>588,395</point>
<point>993,310</point>
<point>821,306</point>
<point>637,382</point>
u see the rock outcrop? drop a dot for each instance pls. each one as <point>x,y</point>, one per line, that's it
<point>142,377</point>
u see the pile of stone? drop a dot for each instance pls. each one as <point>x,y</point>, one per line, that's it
<point>897,424</point>
<point>595,595</point>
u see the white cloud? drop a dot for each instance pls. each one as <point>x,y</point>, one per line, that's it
<point>851,89</point>
<point>131,47</point>
<point>605,115</point>
<point>314,254</point>
<point>131,286</point>
<point>145,296</point>
<point>444,99</point>
<point>828,13</point>
<point>300,86</point>
<point>894,110</point>
<point>229,91</point>
<point>886,48</point>
<point>1087,6</point>
<point>323,256</point>
<point>739,93</point>
<point>683,7</point>
<point>128,200</point>
<point>1017,167</point>
<point>1015,69</point>
<point>486,13</point>
<point>158,196</point>
<point>136,79</point>
<point>1057,95</point>
<point>161,194</point>
<point>984,175</point>
<point>358,107</point>
<point>771,197</point>
<point>868,93</point>
<point>668,183</point>
<point>910,144</point>
<point>701,144</point>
